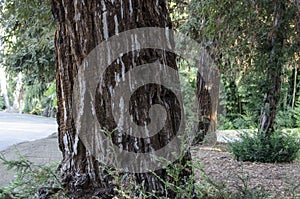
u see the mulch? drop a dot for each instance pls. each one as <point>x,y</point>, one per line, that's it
<point>280,180</point>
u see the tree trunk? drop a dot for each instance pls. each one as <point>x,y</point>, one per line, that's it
<point>3,87</point>
<point>275,65</point>
<point>207,96</point>
<point>207,100</point>
<point>81,26</point>
<point>18,95</point>
<point>295,85</point>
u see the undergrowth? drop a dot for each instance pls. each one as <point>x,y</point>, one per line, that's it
<point>35,181</point>
<point>31,180</point>
<point>258,147</point>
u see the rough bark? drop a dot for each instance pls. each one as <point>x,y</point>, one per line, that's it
<point>204,113</point>
<point>80,28</point>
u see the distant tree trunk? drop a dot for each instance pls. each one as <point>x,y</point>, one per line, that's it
<point>81,26</point>
<point>3,87</point>
<point>18,94</point>
<point>206,94</point>
<point>207,100</point>
<point>204,113</point>
<point>274,71</point>
<point>295,83</point>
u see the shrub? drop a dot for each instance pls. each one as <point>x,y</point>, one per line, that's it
<point>278,147</point>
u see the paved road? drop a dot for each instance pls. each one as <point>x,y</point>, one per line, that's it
<point>16,128</point>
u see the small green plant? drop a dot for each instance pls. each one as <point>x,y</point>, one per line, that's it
<point>243,189</point>
<point>278,147</point>
<point>32,181</point>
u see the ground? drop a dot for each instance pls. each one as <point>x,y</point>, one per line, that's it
<point>279,180</point>
<point>40,152</point>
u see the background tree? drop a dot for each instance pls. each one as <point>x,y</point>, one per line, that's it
<point>239,36</point>
<point>3,88</point>
<point>200,87</point>
<point>81,26</point>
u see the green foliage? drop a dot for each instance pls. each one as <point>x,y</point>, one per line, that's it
<point>237,35</point>
<point>50,96</point>
<point>296,113</point>
<point>285,118</point>
<point>33,96</point>
<point>240,121</point>
<point>245,121</point>
<point>39,97</point>
<point>28,35</point>
<point>31,179</point>
<point>241,99</point>
<point>278,147</point>
<point>188,77</point>
<point>175,171</point>
<point>224,123</point>
<point>178,12</point>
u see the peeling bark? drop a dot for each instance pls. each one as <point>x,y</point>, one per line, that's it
<point>81,26</point>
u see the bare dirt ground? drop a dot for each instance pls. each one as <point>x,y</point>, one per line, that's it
<point>278,180</point>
